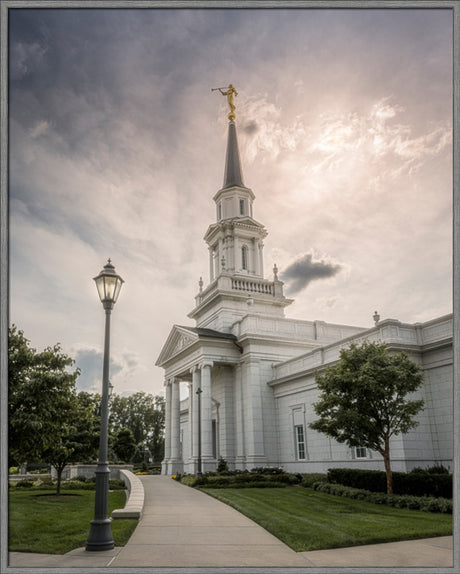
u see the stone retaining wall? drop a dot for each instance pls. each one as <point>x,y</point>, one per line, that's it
<point>135,502</point>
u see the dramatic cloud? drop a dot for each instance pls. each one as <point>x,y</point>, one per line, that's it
<point>117,147</point>
<point>304,270</point>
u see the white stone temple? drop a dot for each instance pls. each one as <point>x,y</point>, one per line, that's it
<point>256,368</point>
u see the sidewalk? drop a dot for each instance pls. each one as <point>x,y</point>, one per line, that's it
<point>183,527</point>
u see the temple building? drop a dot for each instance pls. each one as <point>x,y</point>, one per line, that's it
<point>250,371</point>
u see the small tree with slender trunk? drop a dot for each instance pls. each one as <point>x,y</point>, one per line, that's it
<point>363,399</point>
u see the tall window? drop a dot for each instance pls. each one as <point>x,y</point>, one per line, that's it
<point>241,206</point>
<point>244,257</point>
<point>219,211</point>
<point>360,452</point>
<point>300,441</point>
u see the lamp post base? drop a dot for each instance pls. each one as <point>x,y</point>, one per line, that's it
<point>100,536</point>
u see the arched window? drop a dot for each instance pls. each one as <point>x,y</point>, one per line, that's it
<point>244,257</point>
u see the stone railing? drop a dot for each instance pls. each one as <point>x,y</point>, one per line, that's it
<point>254,286</point>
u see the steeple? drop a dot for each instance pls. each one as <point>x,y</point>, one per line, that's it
<point>233,174</point>
<point>235,243</point>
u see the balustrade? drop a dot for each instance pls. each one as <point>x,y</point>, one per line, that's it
<point>253,286</point>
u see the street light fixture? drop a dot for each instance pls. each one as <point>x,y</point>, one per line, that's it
<point>100,537</point>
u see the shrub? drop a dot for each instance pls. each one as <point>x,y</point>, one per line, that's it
<point>241,479</point>
<point>77,485</point>
<point>438,469</point>
<point>267,470</point>
<point>423,503</point>
<point>309,479</point>
<point>117,484</point>
<point>81,478</point>
<point>189,480</point>
<point>418,482</point>
<point>24,483</point>
<point>222,465</point>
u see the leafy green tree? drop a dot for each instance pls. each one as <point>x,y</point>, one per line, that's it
<point>48,421</point>
<point>144,415</point>
<point>124,445</point>
<point>75,440</point>
<point>41,393</point>
<point>363,399</point>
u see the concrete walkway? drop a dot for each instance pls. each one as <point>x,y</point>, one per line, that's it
<point>182,527</point>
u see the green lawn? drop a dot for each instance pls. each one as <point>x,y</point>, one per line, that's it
<point>308,520</point>
<point>52,524</point>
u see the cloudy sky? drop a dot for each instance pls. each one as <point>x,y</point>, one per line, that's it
<point>117,147</point>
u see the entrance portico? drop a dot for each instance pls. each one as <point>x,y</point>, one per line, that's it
<point>194,360</point>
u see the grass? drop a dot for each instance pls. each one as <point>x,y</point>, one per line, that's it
<point>308,520</point>
<point>41,522</point>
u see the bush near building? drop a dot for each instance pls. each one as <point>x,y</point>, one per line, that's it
<point>261,477</point>
<point>424,503</point>
<point>435,481</point>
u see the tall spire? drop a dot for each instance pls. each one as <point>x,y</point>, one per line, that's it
<point>233,173</point>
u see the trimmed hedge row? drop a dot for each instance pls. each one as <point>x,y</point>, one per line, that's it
<point>423,503</point>
<point>242,480</point>
<point>77,484</point>
<point>418,482</point>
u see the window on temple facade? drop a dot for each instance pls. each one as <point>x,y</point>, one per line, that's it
<point>244,257</point>
<point>300,442</point>
<point>360,452</point>
<point>241,206</point>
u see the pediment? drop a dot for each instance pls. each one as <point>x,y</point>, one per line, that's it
<point>234,222</point>
<point>178,340</point>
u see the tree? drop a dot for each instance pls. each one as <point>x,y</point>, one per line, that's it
<point>144,415</point>
<point>124,445</point>
<point>47,420</point>
<point>76,440</point>
<point>41,393</point>
<point>363,399</point>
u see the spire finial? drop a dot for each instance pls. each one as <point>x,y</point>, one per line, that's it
<point>275,272</point>
<point>229,93</point>
<point>376,317</point>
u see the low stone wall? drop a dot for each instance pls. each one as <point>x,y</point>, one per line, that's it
<point>135,502</point>
<point>87,470</point>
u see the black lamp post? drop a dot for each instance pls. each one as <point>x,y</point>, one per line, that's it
<point>100,537</point>
<point>199,470</point>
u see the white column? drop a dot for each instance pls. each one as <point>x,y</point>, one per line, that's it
<point>175,420</point>
<point>191,399</point>
<point>167,427</point>
<point>239,427</point>
<point>253,416</point>
<point>261,258</point>
<point>196,379</point>
<point>211,265</point>
<point>206,412</point>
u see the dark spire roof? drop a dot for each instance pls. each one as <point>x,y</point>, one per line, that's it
<point>233,174</point>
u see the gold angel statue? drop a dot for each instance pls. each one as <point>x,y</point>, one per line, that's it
<point>230,92</point>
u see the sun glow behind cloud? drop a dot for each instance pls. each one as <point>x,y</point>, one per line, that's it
<point>117,148</point>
